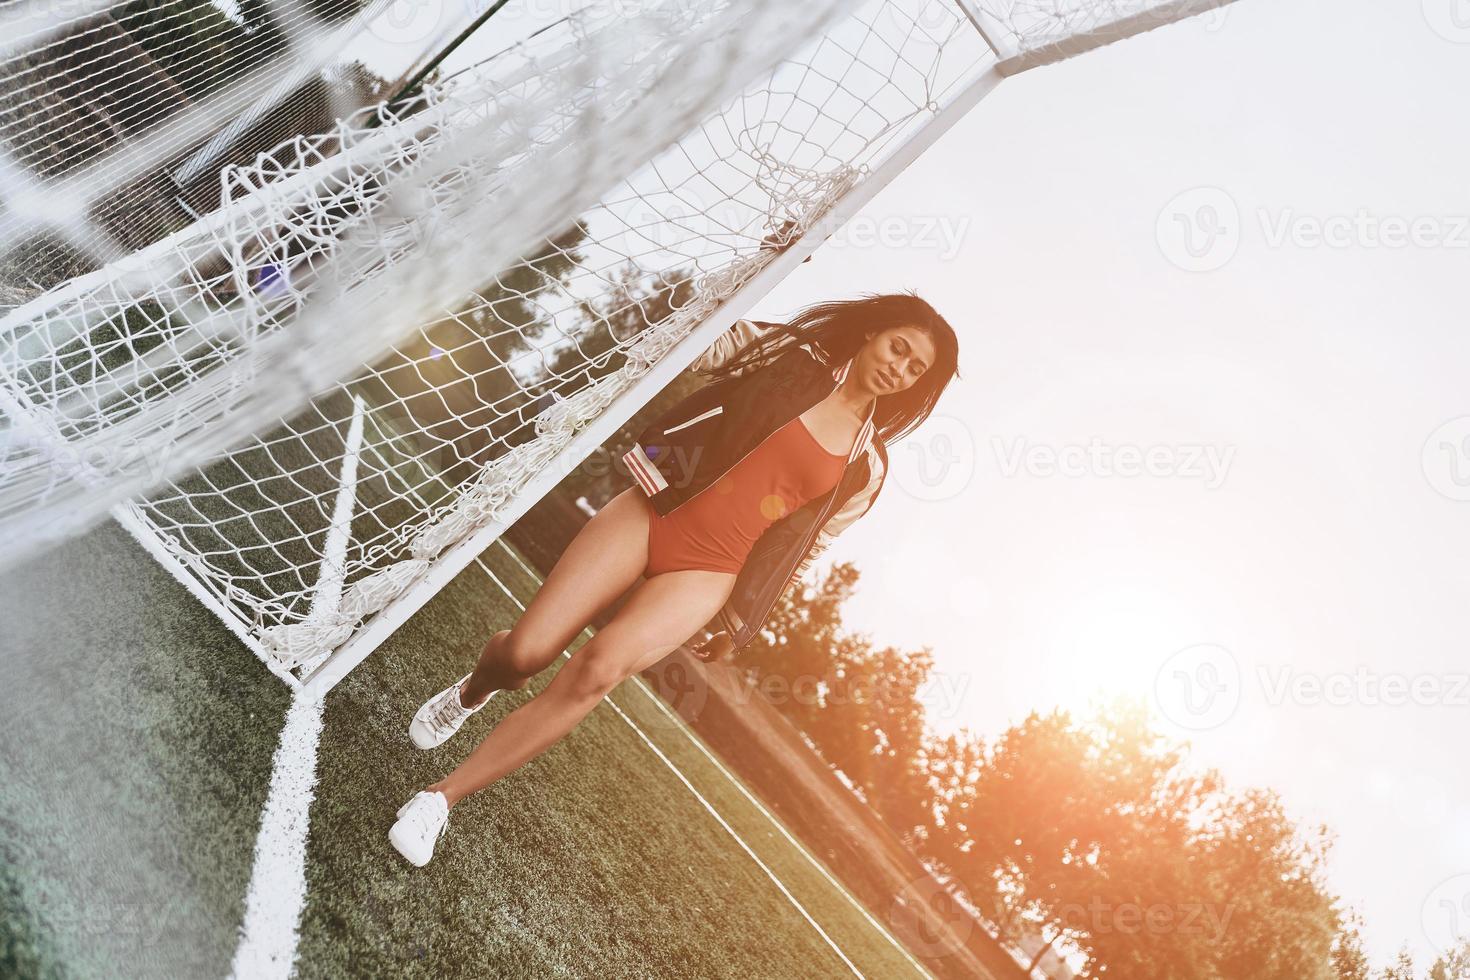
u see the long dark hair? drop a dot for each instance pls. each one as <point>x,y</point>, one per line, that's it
<point>838,329</point>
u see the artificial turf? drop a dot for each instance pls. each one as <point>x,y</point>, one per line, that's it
<point>137,757</point>
<point>137,752</point>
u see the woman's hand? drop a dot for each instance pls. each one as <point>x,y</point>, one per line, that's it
<point>715,648</point>
<point>780,239</point>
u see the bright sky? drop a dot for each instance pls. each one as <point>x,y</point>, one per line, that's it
<point>1183,244</point>
<point>1317,547</point>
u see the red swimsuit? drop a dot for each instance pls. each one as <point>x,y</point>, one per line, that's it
<point>715,529</point>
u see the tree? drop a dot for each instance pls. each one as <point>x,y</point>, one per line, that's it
<point>1349,962</point>
<point>859,705</point>
<point>1402,968</point>
<point>1454,965</point>
<point>871,726</point>
<point>1096,835</point>
<point>454,379</point>
<point>634,301</point>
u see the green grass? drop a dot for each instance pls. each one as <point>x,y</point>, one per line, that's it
<point>137,753</point>
<point>137,757</point>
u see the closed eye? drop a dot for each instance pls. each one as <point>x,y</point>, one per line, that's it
<point>897,350</point>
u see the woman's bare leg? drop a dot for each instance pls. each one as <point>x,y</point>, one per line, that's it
<point>603,560</point>
<point>661,614</point>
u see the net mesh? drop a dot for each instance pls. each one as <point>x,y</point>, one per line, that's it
<point>389,328</point>
<point>75,90</point>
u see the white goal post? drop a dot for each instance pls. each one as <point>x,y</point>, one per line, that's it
<point>318,402</point>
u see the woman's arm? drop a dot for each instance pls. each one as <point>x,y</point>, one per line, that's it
<point>728,344</point>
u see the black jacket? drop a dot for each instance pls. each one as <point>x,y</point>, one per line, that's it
<point>693,444</point>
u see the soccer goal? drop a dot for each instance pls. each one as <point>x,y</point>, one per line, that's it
<point>321,396</point>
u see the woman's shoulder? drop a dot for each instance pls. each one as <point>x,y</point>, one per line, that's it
<point>728,344</point>
<point>737,337</point>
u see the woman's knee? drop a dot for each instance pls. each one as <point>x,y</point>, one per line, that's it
<point>522,655</point>
<point>593,671</point>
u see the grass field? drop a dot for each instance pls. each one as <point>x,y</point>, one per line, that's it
<point>138,757</point>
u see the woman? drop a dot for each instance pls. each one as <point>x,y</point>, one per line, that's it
<point>736,490</point>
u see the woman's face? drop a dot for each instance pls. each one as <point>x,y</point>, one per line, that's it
<point>894,359</point>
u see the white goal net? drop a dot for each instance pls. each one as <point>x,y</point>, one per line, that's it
<point>322,396</point>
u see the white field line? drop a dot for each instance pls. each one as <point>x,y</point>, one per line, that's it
<point>327,598</point>
<point>698,743</point>
<point>682,778</point>
<point>277,894</point>
<point>736,837</point>
<point>760,807</point>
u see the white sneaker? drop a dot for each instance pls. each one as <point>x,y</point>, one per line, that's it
<point>421,822</point>
<point>440,716</point>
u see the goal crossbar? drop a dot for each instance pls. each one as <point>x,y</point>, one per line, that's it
<point>327,530</point>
